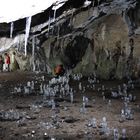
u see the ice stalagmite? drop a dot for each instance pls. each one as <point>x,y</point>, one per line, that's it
<point>27,30</point>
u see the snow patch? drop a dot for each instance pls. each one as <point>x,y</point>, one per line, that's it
<point>11,10</point>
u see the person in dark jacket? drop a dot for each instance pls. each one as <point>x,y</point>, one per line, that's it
<point>59,70</point>
<point>1,63</point>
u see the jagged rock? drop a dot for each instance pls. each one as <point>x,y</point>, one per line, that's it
<point>31,117</point>
<point>70,119</point>
<point>9,116</point>
<point>22,107</point>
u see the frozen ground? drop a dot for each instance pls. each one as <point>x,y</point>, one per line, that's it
<point>32,118</point>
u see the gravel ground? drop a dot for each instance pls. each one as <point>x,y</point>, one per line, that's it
<point>67,122</point>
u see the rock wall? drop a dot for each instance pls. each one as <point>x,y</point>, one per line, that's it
<point>103,40</point>
<point>103,47</point>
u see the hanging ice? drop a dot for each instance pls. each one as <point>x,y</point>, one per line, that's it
<point>103,32</point>
<point>11,29</point>
<point>18,9</point>
<point>27,30</point>
<point>56,6</point>
<point>87,3</point>
<point>49,24</point>
<point>54,16</point>
<point>33,52</point>
<point>58,35</point>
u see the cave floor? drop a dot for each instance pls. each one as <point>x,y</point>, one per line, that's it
<point>35,124</point>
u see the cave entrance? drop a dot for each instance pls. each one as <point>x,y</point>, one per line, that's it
<point>75,50</point>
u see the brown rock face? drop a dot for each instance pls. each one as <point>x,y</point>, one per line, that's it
<point>103,47</point>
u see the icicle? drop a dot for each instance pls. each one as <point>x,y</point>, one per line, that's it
<point>11,29</point>
<point>49,24</point>
<point>56,6</point>
<point>33,52</point>
<point>87,3</point>
<point>93,3</point>
<point>58,35</point>
<point>28,24</point>
<point>98,2</point>
<point>54,16</point>
<point>71,19</point>
<point>103,32</point>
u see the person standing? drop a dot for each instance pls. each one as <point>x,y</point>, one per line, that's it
<point>1,63</point>
<point>59,70</point>
<point>7,62</point>
<point>14,64</point>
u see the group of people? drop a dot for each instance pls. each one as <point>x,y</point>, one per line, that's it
<point>8,63</point>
